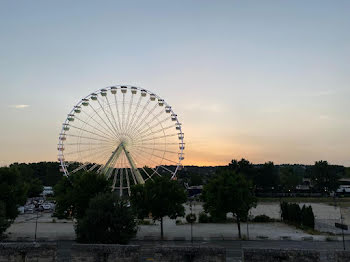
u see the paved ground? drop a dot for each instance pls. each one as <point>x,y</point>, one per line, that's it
<point>24,228</point>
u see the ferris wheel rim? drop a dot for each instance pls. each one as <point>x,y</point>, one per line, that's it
<point>61,155</point>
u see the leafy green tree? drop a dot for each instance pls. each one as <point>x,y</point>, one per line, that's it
<point>162,197</point>
<point>289,180</point>
<point>307,217</point>
<point>245,168</point>
<point>195,179</point>
<point>13,193</point>
<point>73,193</point>
<point>229,192</point>
<point>4,221</point>
<point>108,220</point>
<point>323,177</point>
<point>268,177</point>
<point>35,187</point>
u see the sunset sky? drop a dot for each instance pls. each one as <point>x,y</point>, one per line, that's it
<point>263,80</point>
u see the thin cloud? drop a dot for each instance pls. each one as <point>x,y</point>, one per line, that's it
<point>19,106</point>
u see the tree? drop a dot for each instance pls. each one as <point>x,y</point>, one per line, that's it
<point>268,177</point>
<point>108,220</point>
<point>161,197</point>
<point>13,193</point>
<point>229,192</point>
<point>73,193</point>
<point>323,177</point>
<point>289,180</point>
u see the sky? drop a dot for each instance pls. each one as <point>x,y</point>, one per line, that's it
<point>261,80</point>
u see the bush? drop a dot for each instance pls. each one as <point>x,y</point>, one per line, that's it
<point>190,218</point>
<point>262,219</point>
<point>307,217</point>
<point>108,220</point>
<point>203,218</point>
<point>291,213</point>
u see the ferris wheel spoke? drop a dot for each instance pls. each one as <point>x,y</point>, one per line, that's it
<point>140,115</point>
<point>116,136</point>
<point>87,131</point>
<point>158,137</point>
<point>143,127</point>
<point>84,150</point>
<point>158,156</point>
<point>159,123</point>
<point>157,131</point>
<point>86,137</point>
<point>110,109</point>
<point>111,134</point>
<point>133,116</point>
<point>95,128</point>
<point>123,116</point>
<point>115,130</point>
<point>128,115</point>
<point>170,152</point>
<point>158,165</point>
<point>148,114</point>
<point>96,154</point>
<point>116,106</point>
<point>154,171</point>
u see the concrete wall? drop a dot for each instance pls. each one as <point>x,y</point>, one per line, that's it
<point>276,255</point>
<point>104,253</point>
<point>27,252</point>
<point>189,253</point>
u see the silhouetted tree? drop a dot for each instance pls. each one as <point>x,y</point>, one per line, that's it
<point>73,193</point>
<point>324,178</point>
<point>229,192</point>
<point>108,220</point>
<point>161,197</point>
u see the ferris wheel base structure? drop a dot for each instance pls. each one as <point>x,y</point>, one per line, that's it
<point>126,133</point>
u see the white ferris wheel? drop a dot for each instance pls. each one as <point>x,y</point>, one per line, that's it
<point>126,133</point>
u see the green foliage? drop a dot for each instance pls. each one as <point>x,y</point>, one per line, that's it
<point>228,192</point>
<point>35,187</point>
<point>291,213</point>
<point>324,177</point>
<point>108,220</point>
<point>203,218</point>
<point>161,197</point>
<point>73,193</point>
<point>307,217</point>
<point>262,219</point>
<point>4,221</point>
<point>289,179</point>
<point>47,172</point>
<point>190,218</point>
<point>13,193</point>
<point>268,176</point>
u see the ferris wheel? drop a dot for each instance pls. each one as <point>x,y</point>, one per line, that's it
<point>125,133</point>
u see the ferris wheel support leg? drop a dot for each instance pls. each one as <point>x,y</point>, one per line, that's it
<point>135,170</point>
<point>108,167</point>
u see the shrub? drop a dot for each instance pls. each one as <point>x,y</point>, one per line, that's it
<point>262,219</point>
<point>108,220</point>
<point>307,217</point>
<point>203,218</point>
<point>190,218</point>
<point>291,213</point>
